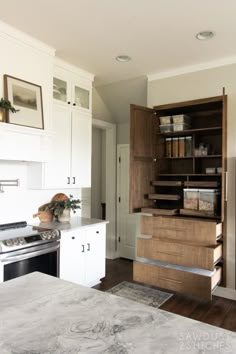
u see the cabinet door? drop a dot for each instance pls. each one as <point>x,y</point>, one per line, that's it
<point>61,90</point>
<point>72,257</point>
<point>59,165</point>
<point>80,97</point>
<point>95,254</point>
<point>81,150</point>
<point>143,156</point>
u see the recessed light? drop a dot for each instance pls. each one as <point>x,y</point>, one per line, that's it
<point>203,35</point>
<point>123,58</point>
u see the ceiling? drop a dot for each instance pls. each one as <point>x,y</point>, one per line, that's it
<point>159,35</point>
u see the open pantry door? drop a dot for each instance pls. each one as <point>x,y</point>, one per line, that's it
<point>143,157</point>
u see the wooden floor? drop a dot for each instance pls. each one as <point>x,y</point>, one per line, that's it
<point>219,312</point>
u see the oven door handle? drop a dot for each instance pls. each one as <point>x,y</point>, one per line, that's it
<point>22,257</point>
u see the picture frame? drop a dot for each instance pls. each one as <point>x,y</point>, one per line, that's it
<point>25,97</point>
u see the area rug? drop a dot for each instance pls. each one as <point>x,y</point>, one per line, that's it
<point>140,293</point>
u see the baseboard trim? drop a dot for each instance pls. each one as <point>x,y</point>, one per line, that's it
<point>225,292</point>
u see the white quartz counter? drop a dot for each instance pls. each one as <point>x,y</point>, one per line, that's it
<point>75,223</point>
<point>45,315</point>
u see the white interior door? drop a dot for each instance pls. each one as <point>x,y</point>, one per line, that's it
<point>126,223</point>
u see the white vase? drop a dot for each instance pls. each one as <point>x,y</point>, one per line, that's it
<point>65,216</point>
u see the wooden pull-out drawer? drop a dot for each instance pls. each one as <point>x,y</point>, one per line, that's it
<point>177,280</point>
<point>189,255</point>
<point>205,232</point>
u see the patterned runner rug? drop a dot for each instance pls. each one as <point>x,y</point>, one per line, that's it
<point>140,293</point>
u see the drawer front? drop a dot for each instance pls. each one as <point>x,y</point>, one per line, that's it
<point>177,280</point>
<point>204,232</point>
<point>179,253</point>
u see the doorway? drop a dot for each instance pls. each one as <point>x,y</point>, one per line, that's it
<point>104,176</point>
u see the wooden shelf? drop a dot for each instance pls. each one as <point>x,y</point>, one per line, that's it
<point>208,184</point>
<point>156,211</point>
<point>164,196</point>
<point>192,131</point>
<point>192,157</point>
<point>167,183</point>
<point>189,212</point>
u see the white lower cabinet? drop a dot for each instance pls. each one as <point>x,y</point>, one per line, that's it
<point>82,255</point>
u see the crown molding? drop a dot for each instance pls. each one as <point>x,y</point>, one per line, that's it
<point>192,68</point>
<point>11,33</point>
<point>73,68</point>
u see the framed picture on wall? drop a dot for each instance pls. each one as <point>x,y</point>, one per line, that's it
<point>27,98</point>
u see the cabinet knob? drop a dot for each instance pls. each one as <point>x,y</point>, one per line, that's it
<point>154,160</point>
<point>74,104</point>
<point>73,237</point>
<point>68,102</point>
<point>97,232</point>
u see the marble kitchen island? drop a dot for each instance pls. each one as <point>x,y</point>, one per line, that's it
<point>41,314</point>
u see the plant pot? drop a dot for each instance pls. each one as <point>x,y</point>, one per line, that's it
<point>2,115</point>
<point>65,216</point>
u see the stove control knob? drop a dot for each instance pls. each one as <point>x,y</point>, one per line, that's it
<point>9,242</point>
<point>16,242</point>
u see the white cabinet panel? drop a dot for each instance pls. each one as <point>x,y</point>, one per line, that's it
<point>72,257</point>
<point>95,255</point>
<point>57,170</point>
<point>82,255</point>
<point>81,150</point>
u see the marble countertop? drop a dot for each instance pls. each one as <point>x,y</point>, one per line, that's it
<point>45,315</point>
<point>76,222</point>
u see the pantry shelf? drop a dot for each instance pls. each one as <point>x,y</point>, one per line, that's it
<point>192,131</point>
<point>188,212</point>
<point>167,183</point>
<point>155,211</point>
<point>164,196</point>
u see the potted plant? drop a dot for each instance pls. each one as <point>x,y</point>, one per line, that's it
<point>60,207</point>
<point>6,105</point>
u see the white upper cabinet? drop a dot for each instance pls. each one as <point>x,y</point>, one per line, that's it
<point>72,87</point>
<point>69,156</point>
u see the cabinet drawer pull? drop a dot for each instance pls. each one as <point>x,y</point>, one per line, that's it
<point>88,244</point>
<point>168,279</point>
<point>82,248</point>
<point>68,180</point>
<point>73,180</point>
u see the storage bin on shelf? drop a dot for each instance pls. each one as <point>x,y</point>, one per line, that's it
<point>191,198</point>
<point>166,128</point>
<point>208,201</point>
<point>180,127</point>
<point>165,120</point>
<point>181,119</point>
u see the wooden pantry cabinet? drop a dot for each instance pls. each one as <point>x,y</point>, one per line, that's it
<point>187,237</point>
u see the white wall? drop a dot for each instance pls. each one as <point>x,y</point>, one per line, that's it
<point>207,83</point>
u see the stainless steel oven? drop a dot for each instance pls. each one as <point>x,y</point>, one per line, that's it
<point>25,249</point>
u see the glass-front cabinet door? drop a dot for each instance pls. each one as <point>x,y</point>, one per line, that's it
<point>81,97</point>
<point>60,90</point>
